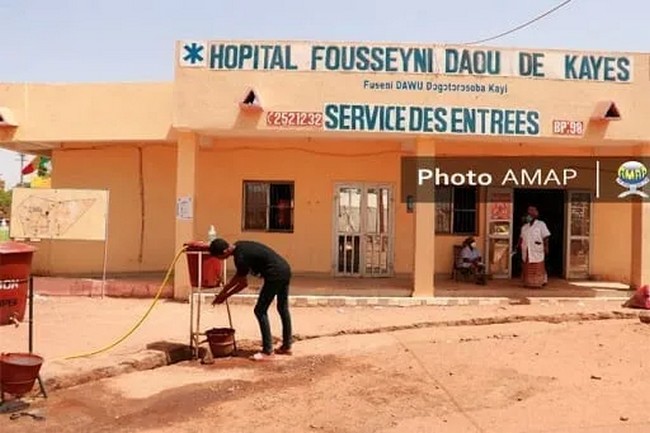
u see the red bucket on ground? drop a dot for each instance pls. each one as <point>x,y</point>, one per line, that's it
<point>640,298</point>
<point>221,341</point>
<point>210,266</point>
<point>15,268</point>
<point>18,372</point>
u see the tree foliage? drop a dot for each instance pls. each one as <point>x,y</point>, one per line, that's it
<point>5,203</point>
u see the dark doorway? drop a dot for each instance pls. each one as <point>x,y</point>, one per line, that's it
<point>550,204</point>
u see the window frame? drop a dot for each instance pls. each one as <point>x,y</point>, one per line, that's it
<point>450,203</point>
<point>269,184</point>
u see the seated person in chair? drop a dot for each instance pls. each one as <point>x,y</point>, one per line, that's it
<point>471,260</point>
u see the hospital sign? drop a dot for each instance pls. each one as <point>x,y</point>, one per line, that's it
<point>405,59</point>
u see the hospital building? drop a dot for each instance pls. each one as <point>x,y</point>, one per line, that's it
<point>302,145</point>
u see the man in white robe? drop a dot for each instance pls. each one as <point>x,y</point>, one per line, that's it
<point>534,239</point>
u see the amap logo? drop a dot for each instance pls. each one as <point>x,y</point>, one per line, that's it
<point>633,175</point>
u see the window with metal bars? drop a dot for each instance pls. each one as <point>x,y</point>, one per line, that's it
<point>457,210</point>
<point>268,206</point>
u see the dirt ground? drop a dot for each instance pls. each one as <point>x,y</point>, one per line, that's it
<point>520,377</point>
<point>71,326</point>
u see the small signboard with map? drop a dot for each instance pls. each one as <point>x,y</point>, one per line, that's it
<point>66,214</point>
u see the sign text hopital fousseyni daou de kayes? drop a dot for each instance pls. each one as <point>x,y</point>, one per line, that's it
<point>408,59</point>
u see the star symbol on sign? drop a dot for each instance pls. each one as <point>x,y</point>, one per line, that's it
<point>193,53</point>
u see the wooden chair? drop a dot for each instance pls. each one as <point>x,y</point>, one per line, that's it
<point>459,273</point>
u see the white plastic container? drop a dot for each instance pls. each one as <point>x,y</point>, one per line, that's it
<point>212,234</point>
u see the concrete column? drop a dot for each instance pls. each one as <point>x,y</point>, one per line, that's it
<point>640,272</point>
<point>425,217</point>
<point>187,150</point>
<point>640,237</point>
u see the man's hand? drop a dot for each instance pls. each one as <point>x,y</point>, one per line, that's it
<point>219,299</point>
<point>236,285</point>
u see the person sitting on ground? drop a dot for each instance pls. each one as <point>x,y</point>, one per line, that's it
<point>470,258</point>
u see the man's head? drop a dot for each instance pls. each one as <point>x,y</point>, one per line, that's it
<point>532,212</point>
<point>221,249</point>
<point>470,241</point>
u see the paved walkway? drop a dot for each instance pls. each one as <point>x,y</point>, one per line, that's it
<point>146,286</point>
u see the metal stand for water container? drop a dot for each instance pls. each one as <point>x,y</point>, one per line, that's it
<point>31,331</point>
<point>30,288</point>
<point>195,310</point>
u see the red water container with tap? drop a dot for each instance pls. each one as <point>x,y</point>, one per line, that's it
<point>210,266</point>
<point>15,270</point>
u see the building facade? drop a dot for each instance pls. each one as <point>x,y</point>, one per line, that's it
<point>302,145</point>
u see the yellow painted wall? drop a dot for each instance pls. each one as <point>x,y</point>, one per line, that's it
<point>315,166</point>
<point>89,112</point>
<point>224,166</point>
<point>117,168</point>
<point>612,251</point>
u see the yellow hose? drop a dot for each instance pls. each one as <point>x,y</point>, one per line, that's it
<point>137,325</point>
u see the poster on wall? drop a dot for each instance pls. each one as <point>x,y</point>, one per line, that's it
<point>66,214</point>
<point>500,206</point>
<point>184,209</point>
<point>500,256</point>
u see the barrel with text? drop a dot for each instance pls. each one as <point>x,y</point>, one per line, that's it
<point>15,270</point>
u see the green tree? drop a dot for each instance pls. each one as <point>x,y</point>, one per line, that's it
<point>43,166</point>
<point>5,204</point>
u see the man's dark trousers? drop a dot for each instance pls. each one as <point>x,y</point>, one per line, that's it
<point>271,289</point>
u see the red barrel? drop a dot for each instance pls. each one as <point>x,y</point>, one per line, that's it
<point>211,266</point>
<point>15,268</point>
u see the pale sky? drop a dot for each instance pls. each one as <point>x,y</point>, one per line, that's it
<point>133,40</point>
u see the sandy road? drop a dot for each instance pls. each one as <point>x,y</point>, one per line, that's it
<point>523,377</point>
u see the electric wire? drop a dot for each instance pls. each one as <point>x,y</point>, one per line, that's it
<point>273,149</point>
<point>521,26</point>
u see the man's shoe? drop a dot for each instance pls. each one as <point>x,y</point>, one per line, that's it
<point>283,351</point>
<point>261,356</point>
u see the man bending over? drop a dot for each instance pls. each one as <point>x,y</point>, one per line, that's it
<point>260,261</point>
